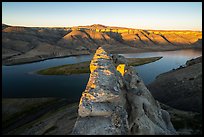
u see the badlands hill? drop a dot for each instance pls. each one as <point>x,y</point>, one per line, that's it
<point>27,44</point>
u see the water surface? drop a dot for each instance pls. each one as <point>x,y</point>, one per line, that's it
<point>171,60</point>
<point>18,82</point>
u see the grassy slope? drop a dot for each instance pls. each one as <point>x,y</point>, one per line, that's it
<point>83,67</point>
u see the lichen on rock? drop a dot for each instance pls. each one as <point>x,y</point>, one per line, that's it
<point>116,101</point>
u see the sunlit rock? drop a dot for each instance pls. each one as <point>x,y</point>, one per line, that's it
<point>121,69</point>
<point>116,102</point>
<point>99,60</point>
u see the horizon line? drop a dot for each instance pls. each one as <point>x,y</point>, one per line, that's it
<point>99,24</point>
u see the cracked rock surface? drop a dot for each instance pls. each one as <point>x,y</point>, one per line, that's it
<point>116,102</point>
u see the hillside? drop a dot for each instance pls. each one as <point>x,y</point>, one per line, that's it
<point>27,44</point>
<point>183,87</point>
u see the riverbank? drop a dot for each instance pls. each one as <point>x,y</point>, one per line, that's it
<point>182,86</point>
<point>27,59</point>
<point>57,116</point>
<point>36,59</point>
<point>83,67</point>
<point>28,44</point>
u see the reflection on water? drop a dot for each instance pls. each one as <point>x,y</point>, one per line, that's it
<point>17,82</point>
<point>189,53</point>
<point>171,60</point>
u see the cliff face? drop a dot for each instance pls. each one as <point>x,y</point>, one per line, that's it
<point>25,44</point>
<point>116,101</point>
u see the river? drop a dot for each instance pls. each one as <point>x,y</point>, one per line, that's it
<point>19,82</point>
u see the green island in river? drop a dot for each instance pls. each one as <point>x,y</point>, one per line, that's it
<point>83,67</point>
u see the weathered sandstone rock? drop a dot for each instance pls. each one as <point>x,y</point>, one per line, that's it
<point>145,114</point>
<point>116,101</point>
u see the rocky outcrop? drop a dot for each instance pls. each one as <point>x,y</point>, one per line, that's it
<point>101,107</point>
<point>116,102</point>
<point>145,113</point>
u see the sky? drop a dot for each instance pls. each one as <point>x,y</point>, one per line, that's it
<point>140,15</point>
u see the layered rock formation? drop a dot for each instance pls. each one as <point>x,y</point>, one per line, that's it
<point>26,44</point>
<point>116,102</point>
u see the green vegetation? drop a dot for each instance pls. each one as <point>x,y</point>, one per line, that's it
<point>78,68</point>
<point>142,61</point>
<point>83,67</point>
